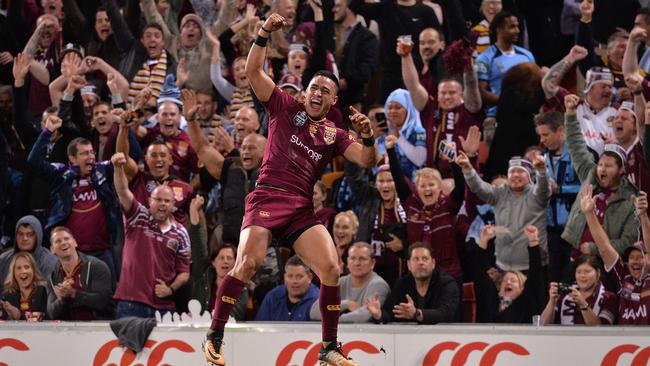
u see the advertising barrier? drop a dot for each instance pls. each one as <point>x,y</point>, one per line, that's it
<point>275,344</point>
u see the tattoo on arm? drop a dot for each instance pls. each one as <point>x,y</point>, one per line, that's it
<point>552,79</point>
<point>30,48</point>
<point>472,94</point>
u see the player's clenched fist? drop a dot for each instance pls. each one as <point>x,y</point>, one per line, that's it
<point>274,22</point>
<point>361,123</point>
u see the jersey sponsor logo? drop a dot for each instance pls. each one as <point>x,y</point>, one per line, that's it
<point>330,135</point>
<point>333,307</point>
<point>85,196</point>
<point>300,118</point>
<point>228,299</point>
<point>265,214</point>
<point>490,353</point>
<point>311,358</point>
<point>312,154</point>
<point>630,313</point>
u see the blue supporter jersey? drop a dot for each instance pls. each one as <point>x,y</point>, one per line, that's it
<point>493,64</point>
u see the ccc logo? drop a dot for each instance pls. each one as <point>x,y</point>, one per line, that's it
<point>642,357</point>
<point>312,355</point>
<point>12,343</point>
<point>490,353</point>
<point>156,356</point>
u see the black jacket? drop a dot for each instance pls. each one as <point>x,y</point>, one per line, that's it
<point>359,63</point>
<point>438,306</point>
<point>39,302</point>
<point>521,310</point>
<point>96,296</point>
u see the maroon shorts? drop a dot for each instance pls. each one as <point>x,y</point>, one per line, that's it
<point>282,213</point>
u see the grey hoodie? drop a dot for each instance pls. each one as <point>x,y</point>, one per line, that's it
<point>45,260</point>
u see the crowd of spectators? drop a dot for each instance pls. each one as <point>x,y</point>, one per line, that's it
<point>510,134</point>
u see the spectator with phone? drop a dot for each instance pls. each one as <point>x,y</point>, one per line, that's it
<point>516,297</point>
<point>431,213</point>
<point>586,302</point>
<point>404,123</point>
<point>449,114</point>
<point>629,272</point>
<point>520,202</point>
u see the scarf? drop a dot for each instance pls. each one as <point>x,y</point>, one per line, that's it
<point>568,308</point>
<point>447,123</point>
<point>151,74</point>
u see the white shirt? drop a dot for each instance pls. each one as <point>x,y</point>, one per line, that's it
<point>595,126</point>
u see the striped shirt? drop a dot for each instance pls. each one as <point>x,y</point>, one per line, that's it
<point>151,74</point>
<point>482,33</point>
<point>150,253</point>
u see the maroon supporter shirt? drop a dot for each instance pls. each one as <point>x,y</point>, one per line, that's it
<point>87,219</point>
<point>633,295</point>
<point>297,149</point>
<point>150,254</point>
<point>185,160</point>
<point>435,226</point>
<point>636,169</point>
<point>384,257</point>
<point>143,184</point>
<point>449,126</point>
<point>326,216</point>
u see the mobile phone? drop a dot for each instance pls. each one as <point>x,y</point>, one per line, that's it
<point>380,116</point>
<point>448,149</point>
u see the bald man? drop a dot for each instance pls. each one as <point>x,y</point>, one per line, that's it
<point>156,259</point>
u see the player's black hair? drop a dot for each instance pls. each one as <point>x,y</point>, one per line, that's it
<point>497,22</point>
<point>328,75</point>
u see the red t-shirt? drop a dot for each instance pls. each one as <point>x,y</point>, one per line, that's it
<point>87,219</point>
<point>185,160</point>
<point>297,149</point>
<point>143,184</point>
<point>633,295</point>
<point>449,126</point>
<point>150,254</point>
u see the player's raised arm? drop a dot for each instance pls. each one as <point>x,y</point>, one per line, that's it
<point>361,154</point>
<point>262,84</point>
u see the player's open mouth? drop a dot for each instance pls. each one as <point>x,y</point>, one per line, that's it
<point>315,103</point>
<point>159,165</point>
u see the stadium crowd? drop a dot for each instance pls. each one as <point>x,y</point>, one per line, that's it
<point>510,134</point>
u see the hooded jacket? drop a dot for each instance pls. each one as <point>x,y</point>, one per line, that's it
<point>96,295</point>
<point>45,260</point>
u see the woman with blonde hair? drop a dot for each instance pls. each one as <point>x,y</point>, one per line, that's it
<point>344,233</point>
<point>25,296</point>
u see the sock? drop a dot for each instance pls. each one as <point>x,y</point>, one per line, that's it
<point>330,309</point>
<point>227,295</point>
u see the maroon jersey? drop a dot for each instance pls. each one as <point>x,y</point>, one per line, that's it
<point>150,254</point>
<point>636,169</point>
<point>633,295</point>
<point>298,149</point>
<point>143,184</point>
<point>87,219</point>
<point>185,160</point>
<point>326,216</point>
<point>435,225</point>
<point>449,126</point>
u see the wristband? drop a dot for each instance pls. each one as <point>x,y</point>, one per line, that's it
<point>638,92</point>
<point>265,30</point>
<point>261,41</point>
<point>585,308</point>
<point>171,289</point>
<point>368,141</point>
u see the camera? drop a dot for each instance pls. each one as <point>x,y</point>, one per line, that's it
<point>564,289</point>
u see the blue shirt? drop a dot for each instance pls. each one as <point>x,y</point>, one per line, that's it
<point>417,138</point>
<point>493,64</point>
<point>274,306</point>
<point>561,170</point>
